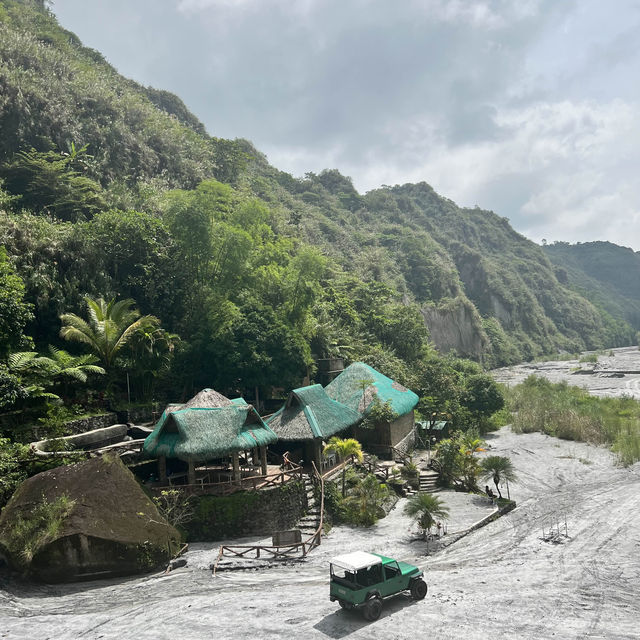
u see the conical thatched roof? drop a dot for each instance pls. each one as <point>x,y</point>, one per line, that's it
<point>309,413</point>
<point>208,399</point>
<point>205,399</point>
<point>199,434</point>
<point>359,383</point>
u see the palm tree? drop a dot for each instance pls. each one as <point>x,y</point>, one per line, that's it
<point>42,371</point>
<point>344,448</point>
<point>367,500</point>
<point>426,508</point>
<point>499,468</point>
<point>109,328</point>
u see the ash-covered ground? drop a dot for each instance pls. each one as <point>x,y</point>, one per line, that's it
<point>501,581</point>
<point>617,373</point>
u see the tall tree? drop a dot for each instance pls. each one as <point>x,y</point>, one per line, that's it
<point>109,328</point>
<point>14,311</point>
<point>48,183</point>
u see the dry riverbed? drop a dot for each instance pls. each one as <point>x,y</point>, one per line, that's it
<point>501,581</point>
<point>617,373</point>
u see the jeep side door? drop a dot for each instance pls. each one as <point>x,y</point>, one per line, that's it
<point>393,579</point>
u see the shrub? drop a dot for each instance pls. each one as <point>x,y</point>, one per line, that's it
<point>29,534</point>
<point>572,414</point>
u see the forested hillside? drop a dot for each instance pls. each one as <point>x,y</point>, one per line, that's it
<point>111,190</point>
<point>606,274</point>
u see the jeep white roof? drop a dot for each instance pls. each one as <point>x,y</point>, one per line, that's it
<point>356,560</point>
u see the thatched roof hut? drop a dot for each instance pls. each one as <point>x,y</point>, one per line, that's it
<point>206,427</point>
<point>359,384</point>
<point>310,413</point>
<point>196,434</point>
<point>309,416</point>
<point>357,387</point>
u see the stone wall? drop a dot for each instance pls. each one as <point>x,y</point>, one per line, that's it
<point>247,513</point>
<point>400,428</point>
<point>407,443</point>
<point>138,415</point>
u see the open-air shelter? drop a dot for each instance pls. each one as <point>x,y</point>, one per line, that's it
<point>196,433</point>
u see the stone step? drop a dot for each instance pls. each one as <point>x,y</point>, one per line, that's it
<point>428,481</point>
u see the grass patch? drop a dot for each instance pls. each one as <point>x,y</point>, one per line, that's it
<point>29,534</point>
<point>571,413</point>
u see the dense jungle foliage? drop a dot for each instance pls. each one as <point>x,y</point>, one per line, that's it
<point>227,272</point>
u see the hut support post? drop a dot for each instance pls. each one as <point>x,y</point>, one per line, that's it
<point>254,456</point>
<point>192,472</point>
<point>263,460</point>
<point>162,469</point>
<point>236,466</point>
<point>317,453</point>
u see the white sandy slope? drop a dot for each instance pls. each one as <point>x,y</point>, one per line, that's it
<point>501,581</point>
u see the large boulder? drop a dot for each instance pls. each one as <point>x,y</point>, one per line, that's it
<point>84,521</point>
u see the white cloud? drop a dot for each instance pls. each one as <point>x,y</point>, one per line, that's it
<point>575,166</point>
<point>526,107</point>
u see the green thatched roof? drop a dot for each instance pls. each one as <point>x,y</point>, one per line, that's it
<point>201,434</point>
<point>310,413</point>
<point>359,383</point>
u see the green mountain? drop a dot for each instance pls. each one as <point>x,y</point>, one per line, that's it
<point>606,274</point>
<point>110,188</point>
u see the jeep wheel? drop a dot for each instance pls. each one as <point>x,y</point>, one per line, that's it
<point>372,609</point>
<point>345,605</point>
<point>418,589</point>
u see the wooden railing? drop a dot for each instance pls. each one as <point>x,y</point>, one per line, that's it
<point>244,484</point>
<point>396,454</point>
<point>301,548</point>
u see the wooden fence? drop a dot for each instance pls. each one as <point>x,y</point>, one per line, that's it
<point>299,549</point>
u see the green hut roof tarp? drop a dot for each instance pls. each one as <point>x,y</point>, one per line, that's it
<point>310,413</point>
<point>200,434</point>
<point>357,385</point>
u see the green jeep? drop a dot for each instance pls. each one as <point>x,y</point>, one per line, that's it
<point>360,580</point>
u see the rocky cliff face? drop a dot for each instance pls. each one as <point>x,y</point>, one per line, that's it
<point>456,327</point>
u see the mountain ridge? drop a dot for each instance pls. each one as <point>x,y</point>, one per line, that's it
<point>482,289</point>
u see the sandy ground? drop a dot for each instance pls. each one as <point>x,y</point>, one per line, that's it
<point>601,382</point>
<point>501,581</point>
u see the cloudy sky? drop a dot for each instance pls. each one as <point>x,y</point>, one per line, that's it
<point>526,107</point>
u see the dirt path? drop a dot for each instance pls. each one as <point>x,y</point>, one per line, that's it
<point>501,581</point>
